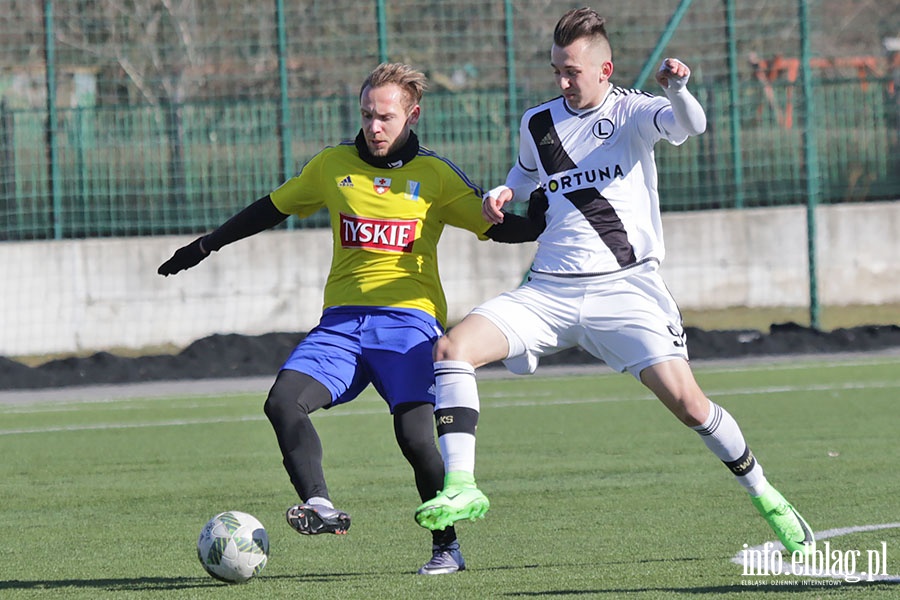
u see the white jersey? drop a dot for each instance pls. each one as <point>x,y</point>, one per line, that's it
<point>599,172</point>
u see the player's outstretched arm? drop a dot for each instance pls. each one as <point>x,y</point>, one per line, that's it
<point>259,216</point>
<point>689,116</point>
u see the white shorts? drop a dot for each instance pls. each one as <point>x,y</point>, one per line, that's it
<point>630,323</point>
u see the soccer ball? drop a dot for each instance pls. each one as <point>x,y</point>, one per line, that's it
<point>233,547</point>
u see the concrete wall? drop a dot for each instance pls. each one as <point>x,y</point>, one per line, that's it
<point>98,294</point>
<point>759,257</point>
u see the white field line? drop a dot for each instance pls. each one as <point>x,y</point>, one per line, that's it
<point>790,363</point>
<point>258,386</point>
<point>487,400</point>
<point>782,389</point>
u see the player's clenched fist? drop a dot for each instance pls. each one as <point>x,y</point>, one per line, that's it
<point>673,74</point>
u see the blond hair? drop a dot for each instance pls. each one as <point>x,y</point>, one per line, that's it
<point>411,81</point>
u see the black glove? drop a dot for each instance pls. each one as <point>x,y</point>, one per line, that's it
<point>184,258</point>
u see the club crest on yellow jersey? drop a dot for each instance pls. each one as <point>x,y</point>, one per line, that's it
<point>381,184</point>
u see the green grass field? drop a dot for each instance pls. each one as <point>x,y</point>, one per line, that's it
<point>597,492</point>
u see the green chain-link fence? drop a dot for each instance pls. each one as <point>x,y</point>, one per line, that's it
<point>164,116</point>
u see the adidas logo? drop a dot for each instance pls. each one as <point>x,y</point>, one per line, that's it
<point>346,182</point>
<point>547,140</point>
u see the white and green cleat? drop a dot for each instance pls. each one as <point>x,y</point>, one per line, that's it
<point>460,499</point>
<point>785,521</point>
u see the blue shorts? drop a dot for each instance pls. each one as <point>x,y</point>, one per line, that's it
<point>353,346</point>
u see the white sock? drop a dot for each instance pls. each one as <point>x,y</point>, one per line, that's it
<point>722,435</point>
<point>456,412</point>
<point>320,501</point>
<point>458,450</point>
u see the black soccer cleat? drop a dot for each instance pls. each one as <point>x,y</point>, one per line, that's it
<point>313,519</point>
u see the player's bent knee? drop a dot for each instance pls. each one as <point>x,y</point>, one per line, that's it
<point>295,392</point>
<point>445,349</point>
<point>418,448</point>
<point>414,429</point>
<point>689,421</point>
<point>693,412</point>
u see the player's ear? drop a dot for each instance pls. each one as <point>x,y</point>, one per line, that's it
<point>606,70</point>
<point>414,114</point>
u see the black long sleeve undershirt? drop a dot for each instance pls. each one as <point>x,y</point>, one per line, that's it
<point>516,229</point>
<point>257,217</point>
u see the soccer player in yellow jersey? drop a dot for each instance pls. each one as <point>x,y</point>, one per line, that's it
<point>388,199</point>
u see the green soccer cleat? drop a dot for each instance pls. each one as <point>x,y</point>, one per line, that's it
<point>459,500</point>
<point>785,521</point>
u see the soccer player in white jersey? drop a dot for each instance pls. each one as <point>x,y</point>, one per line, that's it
<point>594,281</point>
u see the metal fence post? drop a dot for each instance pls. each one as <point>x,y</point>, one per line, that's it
<point>52,122</point>
<point>811,160</point>
<point>512,94</point>
<point>734,108</point>
<point>8,201</point>
<point>284,112</point>
<point>381,17</point>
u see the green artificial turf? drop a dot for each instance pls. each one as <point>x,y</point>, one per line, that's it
<point>596,491</point>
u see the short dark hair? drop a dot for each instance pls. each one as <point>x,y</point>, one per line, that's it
<point>411,81</point>
<point>580,23</point>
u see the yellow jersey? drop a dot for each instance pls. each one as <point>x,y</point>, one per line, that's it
<point>386,224</point>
